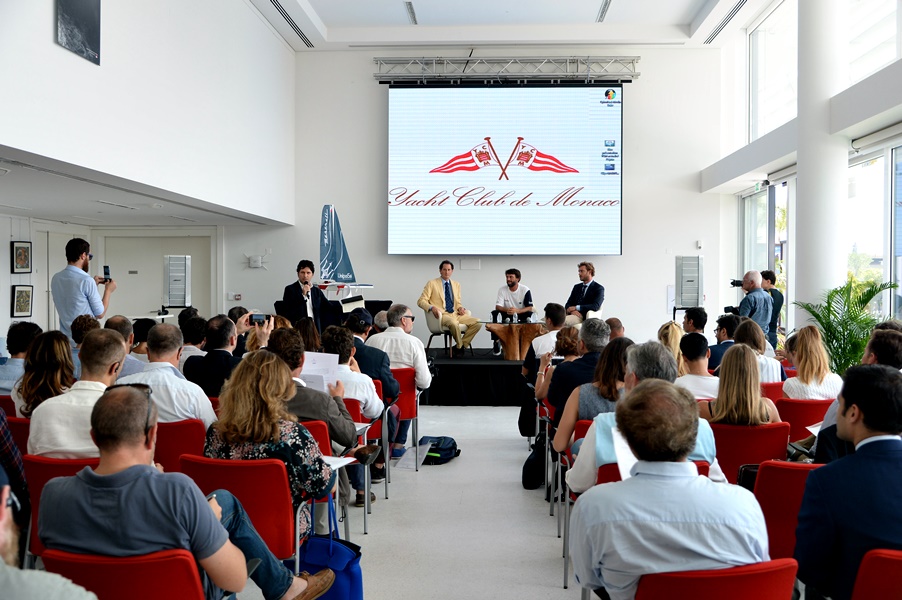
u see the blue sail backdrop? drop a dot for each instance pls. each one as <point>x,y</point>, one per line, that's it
<point>334,262</point>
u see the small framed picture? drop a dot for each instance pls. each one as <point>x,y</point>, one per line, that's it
<point>20,257</point>
<point>22,300</point>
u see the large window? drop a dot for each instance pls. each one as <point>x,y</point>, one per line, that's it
<point>773,48</point>
<point>873,42</point>
<point>863,218</point>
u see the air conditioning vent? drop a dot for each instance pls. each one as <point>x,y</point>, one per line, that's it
<point>725,21</point>
<point>291,23</point>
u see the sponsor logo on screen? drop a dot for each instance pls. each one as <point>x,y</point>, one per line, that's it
<point>523,155</point>
<point>609,143</point>
<point>609,167</point>
<point>610,94</point>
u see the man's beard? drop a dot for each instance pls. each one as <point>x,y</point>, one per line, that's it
<point>512,284</point>
<point>86,266</point>
<point>10,553</point>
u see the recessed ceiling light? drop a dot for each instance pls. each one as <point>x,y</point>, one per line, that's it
<point>603,11</point>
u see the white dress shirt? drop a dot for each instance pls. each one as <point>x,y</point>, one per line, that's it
<point>61,426</point>
<point>177,398</point>
<point>361,388</point>
<point>701,386</point>
<point>404,352</point>
<point>187,352</point>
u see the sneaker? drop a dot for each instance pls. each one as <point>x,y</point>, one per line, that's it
<point>377,474</point>
<point>361,499</point>
<point>317,585</point>
<point>398,452</point>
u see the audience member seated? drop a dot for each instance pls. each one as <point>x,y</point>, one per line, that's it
<point>591,399</point>
<point>128,507</point>
<point>186,313</point>
<point>372,361</point>
<point>254,341</point>
<point>545,343</point>
<point>739,400</point>
<point>194,332</point>
<point>61,426</point>
<point>651,360</point>
<point>254,424</point>
<point>694,320</point>
<point>593,337</point>
<point>11,462</point>
<point>123,325</point>
<point>665,517</point>
<point>726,328</point>
<point>587,295</point>
<point>48,372</point>
<point>852,505</point>
<point>30,583</point>
<point>307,327</point>
<point>670,334</point>
<point>239,316</point>
<point>566,347</point>
<point>695,351</point>
<point>617,329</point>
<point>749,333</point>
<point>81,326</point>
<point>212,370</point>
<point>141,327</point>
<point>176,398</point>
<point>18,337</point>
<point>814,380</point>
<point>787,352</point>
<point>380,322</point>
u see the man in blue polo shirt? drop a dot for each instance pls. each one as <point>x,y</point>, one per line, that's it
<point>74,291</point>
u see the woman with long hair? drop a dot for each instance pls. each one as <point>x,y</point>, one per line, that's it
<point>252,342</point>
<point>814,380</point>
<point>739,400</point>
<point>307,327</point>
<point>567,345</point>
<point>591,399</point>
<point>670,335</point>
<point>49,371</point>
<point>750,333</point>
<point>254,424</point>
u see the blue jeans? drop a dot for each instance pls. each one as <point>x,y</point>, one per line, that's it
<point>272,577</point>
<point>397,430</point>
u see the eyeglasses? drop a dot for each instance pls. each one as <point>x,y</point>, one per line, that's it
<point>13,501</point>
<point>147,392</point>
<point>90,256</point>
<point>411,317</point>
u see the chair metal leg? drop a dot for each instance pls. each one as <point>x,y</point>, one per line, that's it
<point>344,515</point>
<point>585,594</point>
<point>416,438</point>
<point>386,451</point>
<point>367,505</point>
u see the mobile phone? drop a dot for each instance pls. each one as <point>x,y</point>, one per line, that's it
<point>106,273</point>
<point>258,318</point>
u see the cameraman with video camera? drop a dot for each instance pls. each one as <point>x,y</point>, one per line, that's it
<point>757,304</point>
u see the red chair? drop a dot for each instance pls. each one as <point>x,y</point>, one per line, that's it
<point>774,391</point>
<point>790,373</point>
<point>739,445</point>
<point>779,488</point>
<point>168,573</point>
<point>320,432</point>
<point>214,400</point>
<point>771,579</point>
<point>409,403</point>
<point>262,488</point>
<point>800,414</point>
<point>175,439</point>
<point>19,429</point>
<point>378,431</point>
<point>38,471</point>
<point>8,406</point>
<point>879,576</point>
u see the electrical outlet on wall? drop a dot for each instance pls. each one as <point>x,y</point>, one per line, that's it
<point>237,297</point>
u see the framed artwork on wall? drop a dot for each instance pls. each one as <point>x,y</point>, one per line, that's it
<point>20,257</point>
<point>22,300</point>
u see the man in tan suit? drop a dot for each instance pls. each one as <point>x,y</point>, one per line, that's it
<point>441,296</point>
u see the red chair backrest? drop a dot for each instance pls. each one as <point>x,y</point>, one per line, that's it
<point>611,472</point>
<point>262,488</point>
<point>790,373</point>
<point>771,579</point>
<point>354,410</point>
<point>774,391</point>
<point>581,428</point>
<point>19,428</point>
<point>320,432</point>
<point>800,414</point>
<point>214,400</point>
<point>175,439</point>
<point>378,385</point>
<point>739,445</point>
<point>407,396</point>
<point>38,471</point>
<point>879,576</point>
<point>779,488</point>
<point>8,406</point>
<point>168,573</point>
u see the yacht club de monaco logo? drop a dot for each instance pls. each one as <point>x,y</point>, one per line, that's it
<point>523,155</point>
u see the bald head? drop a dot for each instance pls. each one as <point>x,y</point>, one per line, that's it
<point>164,342</point>
<point>122,417</point>
<point>751,280</point>
<point>123,325</point>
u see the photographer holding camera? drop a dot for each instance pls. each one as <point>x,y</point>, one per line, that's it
<point>211,371</point>
<point>757,304</point>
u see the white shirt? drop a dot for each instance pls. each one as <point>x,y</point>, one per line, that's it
<point>544,343</point>
<point>61,426</point>
<point>177,399</point>
<point>361,388</point>
<point>829,388</point>
<point>404,352</point>
<point>187,352</point>
<point>511,299</point>
<point>701,386</point>
<point>771,371</point>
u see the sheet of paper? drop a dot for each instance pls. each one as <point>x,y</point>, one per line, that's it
<point>625,457</point>
<point>336,462</point>
<point>317,363</point>
<point>814,429</point>
<point>314,381</point>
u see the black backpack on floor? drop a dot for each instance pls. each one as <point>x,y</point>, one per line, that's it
<point>442,450</point>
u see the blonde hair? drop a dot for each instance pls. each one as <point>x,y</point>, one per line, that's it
<point>253,400</point>
<point>811,356</point>
<point>670,335</point>
<point>739,393</point>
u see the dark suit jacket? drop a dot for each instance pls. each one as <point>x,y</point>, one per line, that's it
<point>314,405</point>
<point>296,306</point>
<point>374,362</point>
<point>850,506</point>
<point>717,352</point>
<point>567,377</point>
<point>591,301</point>
<point>211,371</point>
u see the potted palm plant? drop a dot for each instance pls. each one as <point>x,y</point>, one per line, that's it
<point>845,321</point>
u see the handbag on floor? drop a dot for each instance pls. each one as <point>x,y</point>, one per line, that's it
<point>343,557</point>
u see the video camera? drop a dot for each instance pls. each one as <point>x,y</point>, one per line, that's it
<point>732,309</point>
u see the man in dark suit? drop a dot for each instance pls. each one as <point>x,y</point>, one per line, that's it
<point>302,298</point>
<point>372,361</point>
<point>212,370</point>
<point>586,295</point>
<point>726,327</point>
<point>852,505</point>
<point>593,337</point>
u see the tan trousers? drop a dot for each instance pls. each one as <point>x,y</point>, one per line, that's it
<point>453,321</point>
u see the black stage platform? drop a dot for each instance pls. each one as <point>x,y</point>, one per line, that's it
<point>478,379</point>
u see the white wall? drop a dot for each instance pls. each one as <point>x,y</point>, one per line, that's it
<point>192,97</point>
<point>671,131</point>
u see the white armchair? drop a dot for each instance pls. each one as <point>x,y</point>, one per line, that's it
<point>436,328</point>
